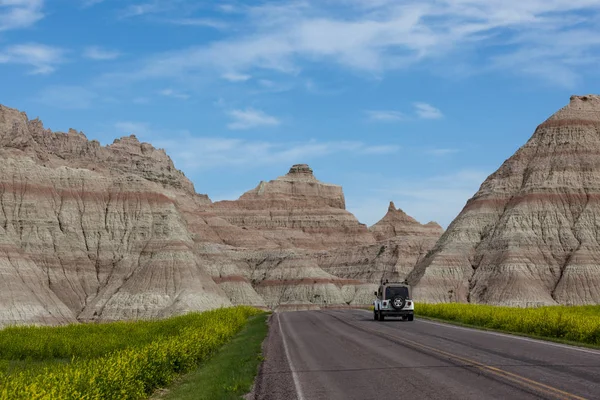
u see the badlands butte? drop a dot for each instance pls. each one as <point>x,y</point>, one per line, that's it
<point>103,233</point>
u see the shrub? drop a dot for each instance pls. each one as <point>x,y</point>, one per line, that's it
<point>573,323</point>
<point>132,370</point>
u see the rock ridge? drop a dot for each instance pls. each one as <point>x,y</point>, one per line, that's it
<point>529,236</point>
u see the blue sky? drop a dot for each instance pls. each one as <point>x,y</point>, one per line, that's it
<point>414,101</point>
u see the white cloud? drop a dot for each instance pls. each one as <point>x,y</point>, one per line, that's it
<point>377,36</point>
<point>235,77</point>
<point>136,10</point>
<point>192,153</point>
<point>98,53</point>
<point>199,22</point>
<point>67,97</point>
<point>251,118</point>
<point>427,111</point>
<point>42,58</point>
<point>16,14</point>
<point>385,115</point>
<point>175,94</point>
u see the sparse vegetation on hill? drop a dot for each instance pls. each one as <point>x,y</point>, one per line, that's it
<point>579,324</point>
<point>125,360</point>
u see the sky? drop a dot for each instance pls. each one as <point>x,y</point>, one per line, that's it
<point>413,101</point>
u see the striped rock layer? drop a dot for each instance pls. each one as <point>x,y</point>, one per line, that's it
<point>102,233</point>
<point>81,238</point>
<point>296,211</point>
<point>530,235</point>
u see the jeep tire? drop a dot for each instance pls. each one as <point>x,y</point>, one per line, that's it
<point>411,317</point>
<point>398,302</point>
<point>381,317</point>
<point>375,316</point>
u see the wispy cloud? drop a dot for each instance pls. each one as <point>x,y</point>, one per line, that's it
<point>385,115</point>
<point>136,10</point>
<point>192,153</point>
<point>175,94</point>
<point>427,111</point>
<point>235,77</point>
<point>98,53</point>
<point>43,59</point>
<point>378,36</point>
<point>199,22</point>
<point>251,118</point>
<point>67,97</point>
<point>15,14</point>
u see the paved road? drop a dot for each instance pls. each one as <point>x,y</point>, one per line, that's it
<point>341,354</point>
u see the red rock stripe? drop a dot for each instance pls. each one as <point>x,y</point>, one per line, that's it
<point>531,197</point>
<point>21,189</point>
<point>553,123</point>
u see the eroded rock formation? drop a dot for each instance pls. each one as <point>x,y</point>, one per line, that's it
<point>91,232</point>
<point>530,235</point>
<point>401,243</point>
<point>295,211</point>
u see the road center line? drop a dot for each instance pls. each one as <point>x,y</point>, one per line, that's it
<point>537,386</point>
<point>507,335</point>
<point>299,394</point>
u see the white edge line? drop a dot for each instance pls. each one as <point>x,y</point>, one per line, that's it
<point>299,394</point>
<point>506,335</point>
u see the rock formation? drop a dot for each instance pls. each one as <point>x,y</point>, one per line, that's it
<point>295,211</point>
<point>91,232</point>
<point>397,223</point>
<point>401,243</point>
<point>530,235</point>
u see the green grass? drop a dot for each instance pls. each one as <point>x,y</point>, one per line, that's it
<point>230,373</point>
<point>573,324</point>
<point>76,362</point>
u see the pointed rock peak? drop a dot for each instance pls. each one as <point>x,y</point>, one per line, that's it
<point>74,132</point>
<point>392,207</point>
<point>12,114</point>
<point>434,225</point>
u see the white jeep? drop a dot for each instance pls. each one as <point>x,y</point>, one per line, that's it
<point>393,300</point>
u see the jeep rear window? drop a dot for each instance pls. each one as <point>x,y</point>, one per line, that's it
<point>394,291</point>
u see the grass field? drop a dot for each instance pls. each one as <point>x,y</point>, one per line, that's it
<point>578,324</point>
<point>125,360</point>
<point>229,374</point>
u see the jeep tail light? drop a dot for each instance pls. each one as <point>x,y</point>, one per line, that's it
<point>409,303</point>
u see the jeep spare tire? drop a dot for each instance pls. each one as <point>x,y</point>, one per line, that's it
<point>398,302</point>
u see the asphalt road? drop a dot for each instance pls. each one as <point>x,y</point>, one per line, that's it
<point>341,354</point>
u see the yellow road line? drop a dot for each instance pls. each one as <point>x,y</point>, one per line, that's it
<point>495,370</point>
<point>541,387</point>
